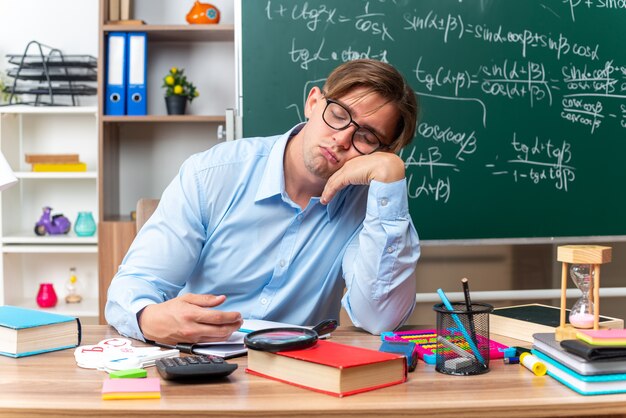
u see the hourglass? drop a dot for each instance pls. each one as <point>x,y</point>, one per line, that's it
<point>582,264</point>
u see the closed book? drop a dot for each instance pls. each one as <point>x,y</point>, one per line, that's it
<point>522,321</point>
<point>25,332</point>
<point>331,368</point>
<point>51,158</point>
<point>547,344</point>
<point>59,167</point>
<point>585,385</point>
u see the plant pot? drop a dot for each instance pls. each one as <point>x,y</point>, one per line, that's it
<point>176,105</point>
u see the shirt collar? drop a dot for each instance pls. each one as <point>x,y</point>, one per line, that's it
<point>273,180</point>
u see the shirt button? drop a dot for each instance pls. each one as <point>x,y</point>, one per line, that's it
<point>282,263</point>
<point>389,249</point>
<point>264,301</point>
<point>384,201</point>
<point>299,217</point>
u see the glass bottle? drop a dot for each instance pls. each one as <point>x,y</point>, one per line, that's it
<point>85,225</point>
<point>72,288</point>
<point>581,315</point>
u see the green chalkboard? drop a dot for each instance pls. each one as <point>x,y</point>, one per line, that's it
<point>523,124</point>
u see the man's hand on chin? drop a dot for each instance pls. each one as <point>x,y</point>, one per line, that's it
<point>385,167</point>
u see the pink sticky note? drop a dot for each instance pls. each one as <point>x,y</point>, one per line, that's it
<point>148,388</point>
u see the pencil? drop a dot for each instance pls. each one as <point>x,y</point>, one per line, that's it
<point>468,306</point>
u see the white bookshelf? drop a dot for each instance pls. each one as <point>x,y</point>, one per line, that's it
<point>27,259</point>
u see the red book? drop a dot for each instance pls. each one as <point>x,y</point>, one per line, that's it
<point>331,368</point>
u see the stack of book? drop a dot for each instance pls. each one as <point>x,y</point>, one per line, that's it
<point>55,162</point>
<point>595,368</point>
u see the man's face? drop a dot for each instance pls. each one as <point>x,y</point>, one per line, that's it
<point>325,149</point>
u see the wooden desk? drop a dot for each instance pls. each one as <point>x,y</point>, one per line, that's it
<point>51,385</point>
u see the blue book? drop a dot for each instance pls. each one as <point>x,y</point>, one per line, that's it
<point>585,385</point>
<point>25,332</point>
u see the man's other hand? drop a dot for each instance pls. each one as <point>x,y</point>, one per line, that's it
<point>186,319</point>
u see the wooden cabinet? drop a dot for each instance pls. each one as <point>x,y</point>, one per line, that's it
<point>27,259</point>
<point>139,155</point>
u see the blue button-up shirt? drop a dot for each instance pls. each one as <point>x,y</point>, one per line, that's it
<point>225,225</point>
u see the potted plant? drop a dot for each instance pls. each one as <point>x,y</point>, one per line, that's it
<point>178,90</point>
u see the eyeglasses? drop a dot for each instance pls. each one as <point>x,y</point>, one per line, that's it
<point>339,118</point>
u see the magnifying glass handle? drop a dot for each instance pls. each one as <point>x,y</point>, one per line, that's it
<point>325,327</point>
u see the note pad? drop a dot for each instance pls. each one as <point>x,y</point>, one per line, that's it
<point>149,388</point>
<point>610,337</point>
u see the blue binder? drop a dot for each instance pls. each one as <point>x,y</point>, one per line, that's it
<point>115,88</point>
<point>136,103</point>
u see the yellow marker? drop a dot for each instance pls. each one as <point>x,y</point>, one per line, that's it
<point>533,364</point>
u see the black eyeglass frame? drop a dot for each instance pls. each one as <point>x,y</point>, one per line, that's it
<point>381,144</point>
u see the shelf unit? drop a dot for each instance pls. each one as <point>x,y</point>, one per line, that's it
<point>155,159</point>
<point>27,259</point>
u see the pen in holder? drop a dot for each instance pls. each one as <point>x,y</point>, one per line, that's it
<point>459,350</point>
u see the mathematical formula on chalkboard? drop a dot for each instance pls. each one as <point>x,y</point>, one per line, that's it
<point>523,104</point>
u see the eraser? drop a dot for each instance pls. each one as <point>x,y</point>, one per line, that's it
<point>458,363</point>
<point>129,373</point>
<point>406,348</point>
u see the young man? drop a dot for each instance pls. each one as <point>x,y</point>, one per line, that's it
<point>275,228</point>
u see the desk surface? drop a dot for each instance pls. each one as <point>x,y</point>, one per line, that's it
<point>52,385</point>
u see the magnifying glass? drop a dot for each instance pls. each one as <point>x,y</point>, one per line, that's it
<point>288,338</point>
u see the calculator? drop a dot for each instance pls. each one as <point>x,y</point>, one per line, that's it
<point>194,368</point>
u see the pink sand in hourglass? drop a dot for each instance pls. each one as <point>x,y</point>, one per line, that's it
<point>581,320</point>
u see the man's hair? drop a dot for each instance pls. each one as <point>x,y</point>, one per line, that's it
<point>384,80</point>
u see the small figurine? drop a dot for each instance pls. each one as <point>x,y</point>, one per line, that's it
<point>57,224</point>
<point>72,288</point>
<point>203,13</point>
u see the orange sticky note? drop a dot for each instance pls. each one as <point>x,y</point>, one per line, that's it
<point>149,388</point>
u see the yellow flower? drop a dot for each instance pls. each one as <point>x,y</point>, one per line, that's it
<point>178,89</point>
<point>169,80</point>
<point>196,93</point>
<point>173,70</point>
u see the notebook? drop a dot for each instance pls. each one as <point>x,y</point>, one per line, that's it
<point>585,385</point>
<point>546,344</point>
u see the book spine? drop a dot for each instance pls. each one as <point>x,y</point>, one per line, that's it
<point>51,158</point>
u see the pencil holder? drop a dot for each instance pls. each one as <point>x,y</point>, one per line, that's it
<point>463,339</point>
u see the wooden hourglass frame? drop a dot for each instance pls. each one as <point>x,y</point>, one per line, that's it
<point>592,255</point>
